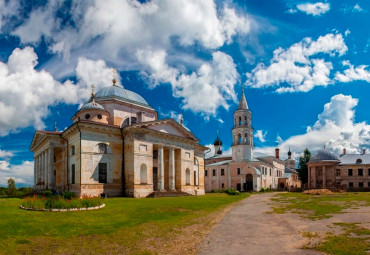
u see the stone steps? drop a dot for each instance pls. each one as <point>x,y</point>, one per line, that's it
<point>157,194</point>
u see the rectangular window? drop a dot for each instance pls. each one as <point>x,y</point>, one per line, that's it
<point>143,147</point>
<point>222,185</point>
<point>238,170</point>
<point>155,154</point>
<point>350,172</point>
<point>206,173</point>
<point>350,184</point>
<point>338,172</point>
<point>187,154</point>
<point>73,150</point>
<point>270,171</point>
<point>222,172</point>
<point>361,184</point>
<point>102,172</point>
<point>338,184</point>
<point>368,173</point>
<point>73,181</point>
<point>214,172</point>
<point>360,172</point>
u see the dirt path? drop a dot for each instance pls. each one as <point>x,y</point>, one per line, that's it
<point>247,229</point>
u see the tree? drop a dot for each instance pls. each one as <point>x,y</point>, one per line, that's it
<point>12,190</point>
<point>302,166</point>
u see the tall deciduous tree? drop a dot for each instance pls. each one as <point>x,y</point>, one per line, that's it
<point>302,165</point>
<point>12,190</point>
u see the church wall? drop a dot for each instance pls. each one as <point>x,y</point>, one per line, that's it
<point>201,188</point>
<point>91,157</point>
<point>187,162</point>
<point>143,154</point>
<point>74,140</point>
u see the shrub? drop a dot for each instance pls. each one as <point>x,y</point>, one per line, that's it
<point>232,192</point>
<point>68,195</point>
<point>262,190</point>
<point>48,193</point>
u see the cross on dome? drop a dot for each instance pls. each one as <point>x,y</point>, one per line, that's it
<point>114,76</point>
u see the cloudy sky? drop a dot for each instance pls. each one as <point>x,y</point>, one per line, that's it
<point>304,65</point>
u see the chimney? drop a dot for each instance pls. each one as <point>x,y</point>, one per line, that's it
<point>277,153</point>
<point>363,151</point>
<point>344,151</point>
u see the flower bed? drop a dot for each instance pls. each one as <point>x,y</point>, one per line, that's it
<point>59,203</point>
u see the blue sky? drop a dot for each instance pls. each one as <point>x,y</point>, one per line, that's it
<point>304,65</point>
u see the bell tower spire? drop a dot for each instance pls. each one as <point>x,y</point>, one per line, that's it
<point>242,148</point>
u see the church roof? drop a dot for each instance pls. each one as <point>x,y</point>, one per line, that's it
<point>92,105</point>
<point>352,159</point>
<point>324,155</point>
<point>120,93</point>
<point>243,102</point>
<point>220,163</point>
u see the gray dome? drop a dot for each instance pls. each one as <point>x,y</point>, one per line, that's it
<point>92,106</point>
<point>324,155</point>
<point>120,93</point>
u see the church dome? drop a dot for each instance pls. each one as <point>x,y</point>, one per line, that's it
<point>324,155</point>
<point>120,93</point>
<point>217,142</point>
<point>92,105</point>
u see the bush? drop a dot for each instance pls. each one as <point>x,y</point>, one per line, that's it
<point>58,202</point>
<point>262,190</point>
<point>232,192</point>
<point>68,195</point>
<point>48,193</point>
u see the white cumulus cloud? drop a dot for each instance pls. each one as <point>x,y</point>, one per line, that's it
<point>335,128</point>
<point>353,73</point>
<point>298,68</point>
<point>315,9</point>
<point>260,135</point>
<point>22,174</point>
<point>26,93</point>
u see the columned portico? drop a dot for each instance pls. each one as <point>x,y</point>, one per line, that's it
<point>314,178</point>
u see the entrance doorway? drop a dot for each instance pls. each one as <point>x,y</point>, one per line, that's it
<point>238,187</point>
<point>155,178</point>
<point>249,182</point>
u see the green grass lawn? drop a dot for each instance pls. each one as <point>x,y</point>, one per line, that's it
<point>124,226</point>
<point>317,207</point>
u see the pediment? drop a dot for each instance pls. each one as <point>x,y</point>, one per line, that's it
<point>170,126</point>
<point>37,138</point>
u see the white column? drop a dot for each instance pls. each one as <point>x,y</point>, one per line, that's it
<point>172,169</point>
<point>38,170</point>
<point>34,171</point>
<point>314,177</point>
<point>51,168</point>
<point>41,169</point>
<point>161,169</point>
<point>323,177</point>
<point>45,169</point>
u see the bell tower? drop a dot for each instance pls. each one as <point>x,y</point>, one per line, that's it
<point>242,132</point>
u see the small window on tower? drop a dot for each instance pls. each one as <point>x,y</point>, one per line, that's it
<point>99,116</point>
<point>238,170</point>
<point>87,116</point>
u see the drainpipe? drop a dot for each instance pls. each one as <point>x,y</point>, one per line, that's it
<point>79,130</point>
<point>123,163</point>
<point>61,135</point>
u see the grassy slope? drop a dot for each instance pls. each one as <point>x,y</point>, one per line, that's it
<point>120,227</point>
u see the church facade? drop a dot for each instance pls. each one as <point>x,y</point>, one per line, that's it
<point>117,146</point>
<point>245,170</point>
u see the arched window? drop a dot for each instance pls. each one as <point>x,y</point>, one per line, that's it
<point>239,139</point>
<point>143,174</point>
<point>103,148</point>
<point>245,120</point>
<point>126,122</point>
<point>246,139</point>
<point>240,120</point>
<point>187,176</point>
<point>73,150</point>
<point>358,161</point>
